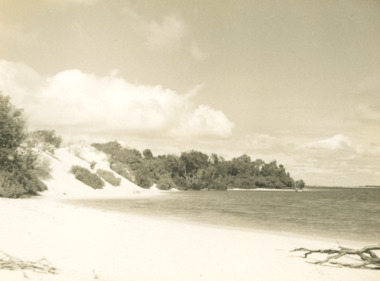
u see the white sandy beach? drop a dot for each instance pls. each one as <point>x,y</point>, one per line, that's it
<point>88,244</point>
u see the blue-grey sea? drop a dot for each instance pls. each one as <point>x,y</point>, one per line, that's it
<point>338,213</point>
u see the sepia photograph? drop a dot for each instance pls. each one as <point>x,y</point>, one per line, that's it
<point>167,140</point>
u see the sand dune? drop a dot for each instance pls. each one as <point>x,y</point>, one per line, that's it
<point>62,184</point>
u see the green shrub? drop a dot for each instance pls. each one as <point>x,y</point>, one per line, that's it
<point>165,183</point>
<point>19,184</point>
<point>42,168</point>
<point>46,140</point>
<point>121,170</point>
<point>84,175</point>
<point>92,165</point>
<point>18,167</point>
<point>108,177</point>
<point>142,179</point>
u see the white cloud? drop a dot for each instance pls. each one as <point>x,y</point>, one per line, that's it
<point>337,160</point>
<point>208,122</point>
<point>76,102</point>
<point>336,142</point>
<point>165,35</point>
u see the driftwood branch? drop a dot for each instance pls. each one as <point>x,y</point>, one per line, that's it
<point>368,259</point>
<point>9,262</point>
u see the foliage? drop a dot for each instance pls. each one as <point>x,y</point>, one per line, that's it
<point>92,165</point>
<point>299,184</point>
<point>42,167</point>
<point>122,170</point>
<point>84,175</point>
<point>12,129</point>
<point>118,154</point>
<point>195,170</point>
<point>108,177</point>
<point>46,140</point>
<point>18,168</point>
<point>165,182</point>
<point>148,154</point>
<point>142,179</point>
<point>16,184</point>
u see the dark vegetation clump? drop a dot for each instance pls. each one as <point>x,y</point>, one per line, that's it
<point>16,184</point>
<point>84,175</point>
<point>108,177</point>
<point>45,140</point>
<point>194,170</point>
<point>19,170</point>
<point>122,170</point>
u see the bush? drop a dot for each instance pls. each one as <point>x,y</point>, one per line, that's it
<point>121,169</point>
<point>18,176</point>
<point>42,168</point>
<point>108,177</point>
<point>165,183</point>
<point>84,175</point>
<point>19,184</point>
<point>142,179</point>
<point>46,140</point>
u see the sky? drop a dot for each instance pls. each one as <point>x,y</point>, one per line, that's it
<point>293,81</point>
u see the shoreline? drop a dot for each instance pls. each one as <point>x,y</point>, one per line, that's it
<point>333,240</point>
<point>86,243</point>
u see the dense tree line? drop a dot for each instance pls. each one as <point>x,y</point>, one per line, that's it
<point>21,166</point>
<point>195,170</point>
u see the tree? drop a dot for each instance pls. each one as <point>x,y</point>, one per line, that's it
<point>17,162</point>
<point>193,162</point>
<point>148,154</point>
<point>12,130</point>
<point>195,170</point>
<point>299,184</point>
<point>46,140</point>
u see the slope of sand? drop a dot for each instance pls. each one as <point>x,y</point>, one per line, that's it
<point>62,184</point>
<point>88,244</point>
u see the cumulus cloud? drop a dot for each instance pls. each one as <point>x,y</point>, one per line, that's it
<point>334,143</point>
<point>78,102</point>
<point>337,160</point>
<point>208,122</point>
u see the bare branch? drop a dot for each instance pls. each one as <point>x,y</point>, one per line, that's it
<point>9,262</point>
<point>368,259</point>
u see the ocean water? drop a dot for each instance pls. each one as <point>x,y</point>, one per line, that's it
<point>339,213</point>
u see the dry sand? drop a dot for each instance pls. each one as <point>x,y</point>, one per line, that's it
<point>88,244</point>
